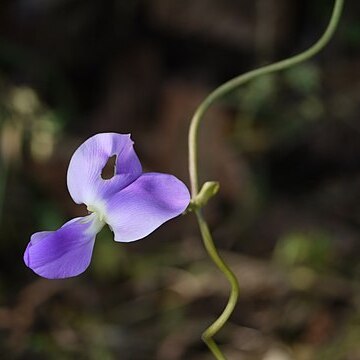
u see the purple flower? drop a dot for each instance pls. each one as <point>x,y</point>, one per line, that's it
<point>132,203</point>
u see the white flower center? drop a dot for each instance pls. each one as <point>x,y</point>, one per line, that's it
<point>98,210</point>
<point>95,223</point>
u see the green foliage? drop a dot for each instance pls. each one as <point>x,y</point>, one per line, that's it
<point>258,94</point>
<point>312,249</point>
<point>111,258</point>
<point>48,215</point>
<point>259,123</point>
<point>304,78</point>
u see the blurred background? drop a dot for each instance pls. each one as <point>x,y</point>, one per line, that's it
<point>285,148</point>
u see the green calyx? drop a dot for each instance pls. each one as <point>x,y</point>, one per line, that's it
<point>208,190</point>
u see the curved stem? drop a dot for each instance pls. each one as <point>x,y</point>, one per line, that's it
<point>242,79</point>
<point>234,293</point>
<point>193,166</point>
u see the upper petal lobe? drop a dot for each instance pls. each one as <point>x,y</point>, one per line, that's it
<point>84,179</point>
<point>144,205</point>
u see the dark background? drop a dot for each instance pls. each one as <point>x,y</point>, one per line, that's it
<point>285,148</point>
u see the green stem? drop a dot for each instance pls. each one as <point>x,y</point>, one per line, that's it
<point>232,84</point>
<point>234,294</point>
<point>193,165</point>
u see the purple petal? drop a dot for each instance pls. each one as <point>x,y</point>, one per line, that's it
<point>144,205</point>
<point>65,252</point>
<point>84,179</point>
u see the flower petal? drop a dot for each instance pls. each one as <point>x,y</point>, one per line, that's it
<point>144,205</point>
<point>65,252</point>
<point>84,179</point>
